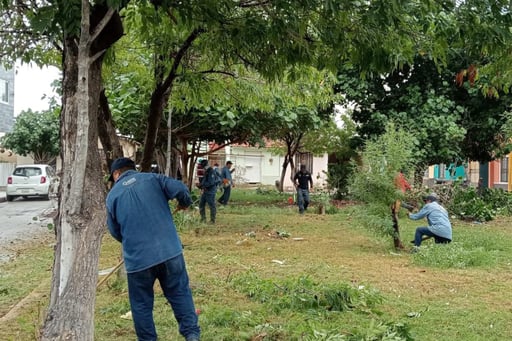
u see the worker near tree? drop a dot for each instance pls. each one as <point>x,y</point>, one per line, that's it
<point>139,217</point>
<point>227,183</point>
<point>208,186</point>
<point>439,226</point>
<point>303,181</point>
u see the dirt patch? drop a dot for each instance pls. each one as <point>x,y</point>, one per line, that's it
<point>10,250</point>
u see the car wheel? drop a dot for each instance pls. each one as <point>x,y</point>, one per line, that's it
<point>46,197</point>
<point>10,197</point>
<point>24,197</point>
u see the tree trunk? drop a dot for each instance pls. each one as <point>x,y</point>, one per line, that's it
<point>159,99</point>
<point>107,133</point>
<point>80,223</point>
<point>283,174</point>
<point>396,231</point>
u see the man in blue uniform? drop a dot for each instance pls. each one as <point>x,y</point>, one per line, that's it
<point>139,217</point>
<point>227,183</point>
<point>208,186</point>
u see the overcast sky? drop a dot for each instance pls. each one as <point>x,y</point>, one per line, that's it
<point>31,83</point>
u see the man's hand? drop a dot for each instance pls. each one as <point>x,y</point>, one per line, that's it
<point>181,208</point>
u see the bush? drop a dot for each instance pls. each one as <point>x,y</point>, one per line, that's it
<point>470,203</point>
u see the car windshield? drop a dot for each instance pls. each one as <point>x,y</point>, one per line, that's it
<point>27,171</point>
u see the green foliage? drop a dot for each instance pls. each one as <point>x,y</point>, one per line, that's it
<point>384,331</point>
<point>466,203</point>
<point>338,143</point>
<point>266,191</point>
<point>374,180</point>
<point>455,255</point>
<point>381,160</point>
<point>324,199</point>
<point>338,176</point>
<point>303,294</point>
<point>473,204</point>
<point>450,122</point>
<point>35,134</point>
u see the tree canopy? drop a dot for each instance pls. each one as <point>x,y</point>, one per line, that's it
<point>451,122</point>
<point>35,134</point>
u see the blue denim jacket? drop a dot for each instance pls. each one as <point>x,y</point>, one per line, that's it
<point>437,217</point>
<point>138,216</point>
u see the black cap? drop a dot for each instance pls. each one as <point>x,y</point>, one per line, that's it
<point>122,162</point>
<point>229,163</point>
<point>431,197</point>
<point>203,162</point>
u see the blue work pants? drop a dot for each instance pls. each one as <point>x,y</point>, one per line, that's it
<point>173,278</point>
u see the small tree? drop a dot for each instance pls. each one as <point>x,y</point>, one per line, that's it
<point>35,134</point>
<point>374,184</point>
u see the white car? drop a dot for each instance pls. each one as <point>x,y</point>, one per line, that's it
<point>30,180</point>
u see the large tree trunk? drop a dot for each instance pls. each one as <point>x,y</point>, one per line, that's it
<point>159,100</point>
<point>80,223</point>
<point>107,132</point>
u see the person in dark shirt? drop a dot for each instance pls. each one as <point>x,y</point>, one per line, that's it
<point>303,181</point>
<point>227,183</point>
<point>139,217</point>
<point>208,185</point>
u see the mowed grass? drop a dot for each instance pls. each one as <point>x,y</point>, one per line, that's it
<point>264,272</point>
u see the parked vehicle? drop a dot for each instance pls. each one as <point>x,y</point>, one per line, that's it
<point>30,180</point>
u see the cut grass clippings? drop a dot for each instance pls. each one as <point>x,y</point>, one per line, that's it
<point>264,272</point>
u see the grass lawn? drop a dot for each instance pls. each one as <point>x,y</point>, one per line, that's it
<point>264,272</point>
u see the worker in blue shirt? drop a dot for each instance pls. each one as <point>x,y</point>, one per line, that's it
<point>139,217</point>
<point>227,183</point>
<point>208,185</point>
<point>439,226</point>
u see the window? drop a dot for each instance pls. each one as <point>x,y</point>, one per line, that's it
<point>504,169</point>
<point>442,171</point>
<point>4,91</point>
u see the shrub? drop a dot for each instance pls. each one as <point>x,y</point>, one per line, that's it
<point>470,203</point>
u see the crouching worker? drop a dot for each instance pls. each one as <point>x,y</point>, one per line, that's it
<point>138,216</point>
<point>439,226</point>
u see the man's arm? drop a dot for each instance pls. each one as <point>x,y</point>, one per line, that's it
<point>175,189</point>
<point>114,228</point>
<point>421,214</point>
<point>295,178</point>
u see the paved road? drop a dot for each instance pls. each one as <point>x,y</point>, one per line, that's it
<point>22,220</point>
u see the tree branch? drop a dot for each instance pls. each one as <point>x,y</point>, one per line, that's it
<point>179,56</point>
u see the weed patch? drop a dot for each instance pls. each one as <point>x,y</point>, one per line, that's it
<point>454,255</point>
<point>302,294</point>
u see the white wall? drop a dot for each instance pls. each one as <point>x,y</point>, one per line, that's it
<point>6,169</point>
<point>258,165</point>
